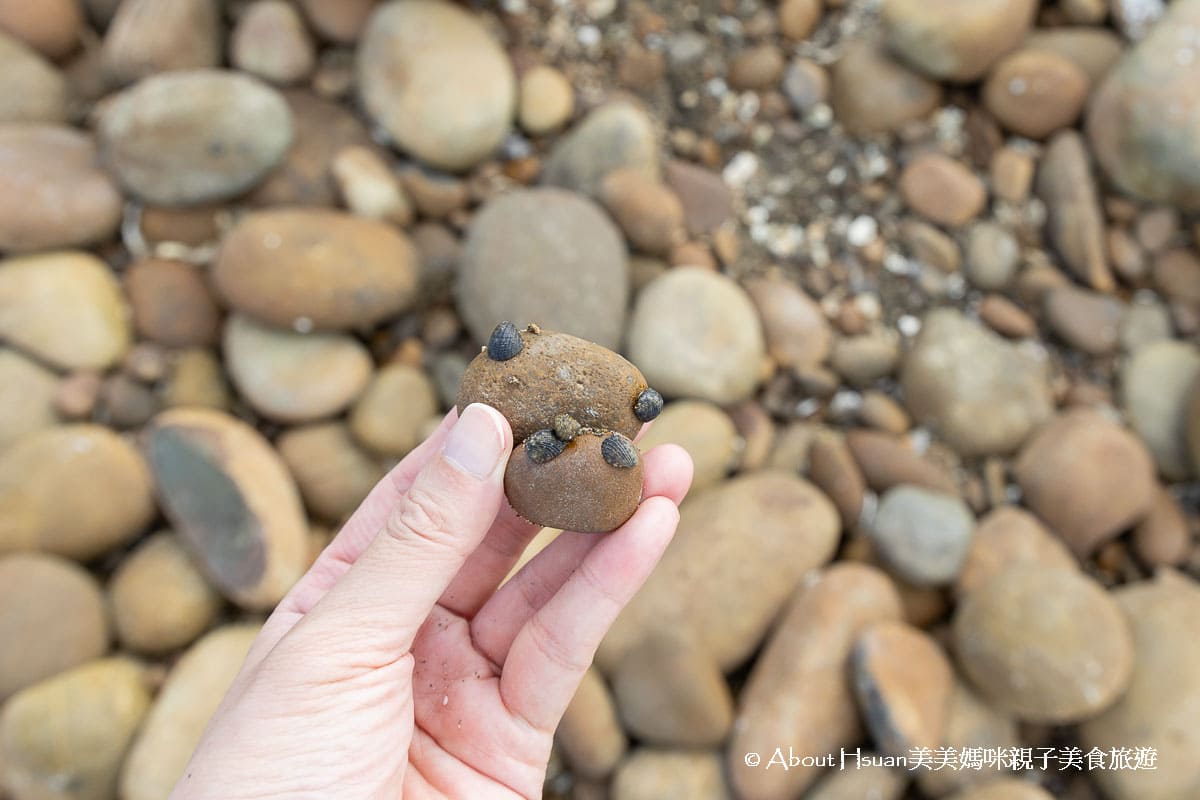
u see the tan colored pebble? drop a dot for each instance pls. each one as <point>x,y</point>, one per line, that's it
<point>1009,535</point>
<point>389,412</point>
<point>1034,93</point>
<point>1006,317</point>
<point>970,722</point>
<point>27,396</point>
<point>704,430</point>
<point>942,190</point>
<point>796,330</point>
<point>648,213</point>
<point>589,732</point>
<point>333,474</point>
<point>151,36</point>
<point>757,68</point>
<point>871,91</point>
<point>270,41</point>
<point>368,187</point>
<point>832,467</point>
<point>1163,537</point>
<point>888,461</point>
<point>652,773</point>
<point>546,100</point>
<point>1012,174</point>
<point>171,303</point>
<point>798,18</point>
<point>52,27</point>
<point>757,430</point>
<point>196,379</point>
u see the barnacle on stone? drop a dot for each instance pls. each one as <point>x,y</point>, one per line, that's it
<point>649,404</point>
<point>543,446</point>
<point>505,342</point>
<point>566,427</point>
<point>619,451</point>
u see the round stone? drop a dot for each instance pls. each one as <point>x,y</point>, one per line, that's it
<point>172,303</point>
<point>648,213</point>
<point>1086,320</point>
<point>556,241</point>
<point>589,732</point>
<point>1035,93</point>
<point>547,100</point>
<point>27,392</point>
<point>147,37</point>
<point>873,92</point>
<point>797,334</point>
<point>388,417</point>
<point>993,255</point>
<point>1009,535</point>
<point>52,28</point>
<point>1155,382</point>
<point>705,431</point>
<point>613,136</point>
<point>956,41</point>
<point>270,41</point>
<point>652,773</point>
<point>31,89</point>
<point>924,536</point>
<point>942,190</point>
<point>334,474</point>
<point>433,77</point>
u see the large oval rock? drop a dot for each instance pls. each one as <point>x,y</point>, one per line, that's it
<point>872,92</point>
<point>589,732</point>
<point>159,599</point>
<point>1144,119</point>
<point>1075,222</point>
<point>180,713</point>
<point>52,618</point>
<point>617,135</point>
<point>544,256</point>
<point>1066,476</point>
<point>775,527</point>
<point>27,392</point>
<point>924,536</point>
<point>970,722</point>
<point>75,490</point>
<point>64,308</point>
<point>334,474</point>
<point>65,738</point>
<point>31,89</point>
<point>956,41</point>
<point>1047,644</point>
<point>294,377</point>
<point>232,501</point>
<point>308,269</point>
<point>797,334</point>
<point>651,774</point>
<point>150,36</point>
<point>1154,388</point>
<point>432,76</point>
<point>979,393</point>
<point>695,333</point>
<point>172,303</point>
<point>799,690</point>
<point>1009,535</point>
<point>1159,708</point>
<point>188,137</point>
<point>52,195</point>
<point>389,416</point>
<point>705,431</point>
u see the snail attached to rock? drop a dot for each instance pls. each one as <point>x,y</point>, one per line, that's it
<point>574,408</point>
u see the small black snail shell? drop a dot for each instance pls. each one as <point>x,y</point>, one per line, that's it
<point>505,342</point>
<point>543,446</point>
<point>617,451</point>
<point>649,404</point>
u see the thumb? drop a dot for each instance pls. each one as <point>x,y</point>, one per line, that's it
<point>381,601</point>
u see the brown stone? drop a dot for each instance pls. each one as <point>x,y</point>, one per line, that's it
<point>796,331</point>
<point>831,466</point>
<point>151,36</point>
<point>648,213</point>
<point>388,416</point>
<point>171,303</point>
<point>1006,317</point>
<point>1076,226</point>
<point>871,91</point>
<point>707,201</point>
<point>705,431</point>
<point>798,18</point>
<point>589,732</point>
<point>757,68</point>
<point>1163,537</point>
<point>942,190</point>
<point>1009,535</point>
<point>887,461</point>
<point>333,474</point>
<point>1035,93</point>
<point>950,40</point>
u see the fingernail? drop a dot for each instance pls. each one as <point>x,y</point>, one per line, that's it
<point>476,442</point>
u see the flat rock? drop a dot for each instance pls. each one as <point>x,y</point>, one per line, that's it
<point>65,309</point>
<point>431,74</point>
<point>614,136</point>
<point>695,333</point>
<point>977,392</point>
<point>1075,225</point>
<point>704,430</point>
<point>924,536</point>
<point>796,331</point>
<point>31,88</point>
<point>388,417</point>
<point>147,37</point>
<point>53,195</point>
<point>942,190</point>
<point>27,392</point>
<point>557,241</point>
<point>1086,320</point>
<point>181,138</point>
<point>1155,382</point>
<point>872,92</point>
<point>1009,535</point>
<point>172,303</point>
<point>707,200</point>
<point>334,474</point>
<point>948,40</point>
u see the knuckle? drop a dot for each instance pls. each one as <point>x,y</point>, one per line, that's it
<point>422,518</point>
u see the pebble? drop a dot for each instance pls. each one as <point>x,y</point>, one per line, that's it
<point>65,309</point>
<point>294,377</point>
<point>1193,424</point>
<point>340,21</point>
<point>1163,537</point>
<point>172,303</point>
<point>888,461</point>
<point>555,240</point>
<point>805,84</point>
<point>1093,49</point>
<point>880,411</point>
<point>670,693</point>
<point>613,136</point>
<point>160,601</point>
<point>1005,789</point>
<point>707,200</point>
<point>590,733</point>
<point>993,256</point>
<point>231,499</point>
<point>1142,120</point>
<point>432,75</point>
<point>193,689</point>
<point>31,88</point>
<point>648,213</point>
<point>1155,381</point>
<point>1046,644</point>
<point>1012,174</point>
<point>1065,475</point>
<point>180,138</point>
<point>799,690</point>
<point>695,333</point>
<point>305,176</point>
<point>1177,275</point>
<point>862,360</point>
<point>546,101</point>
<point>1146,321</point>
<point>52,618</point>
<point>651,774</point>
<point>1034,92</point>
<point>67,736</point>
<point>147,37</point>
<point>78,491</point>
<point>757,431</point>
<point>316,269</point>
<point>705,431</point>
<point>948,40</point>
<point>27,392</point>
<point>776,526</point>
<point>1087,321</point>
<point>929,246</point>
<point>333,473</point>
<point>1075,224</point>
<point>52,28</point>
<point>269,41</point>
<point>871,91</point>
<point>970,722</point>
<point>977,392</point>
<point>942,190</point>
<point>924,536</point>
<point>757,68</point>
<point>831,466</point>
<point>799,18</point>
<point>797,333</point>
<point>903,682</point>
<point>54,195</point>
<point>875,782</point>
<point>1158,707</point>
<point>387,417</point>
<point>196,379</point>
<point>125,403</point>
<point>1005,536</point>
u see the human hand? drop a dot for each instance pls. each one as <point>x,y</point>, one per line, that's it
<point>394,667</point>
